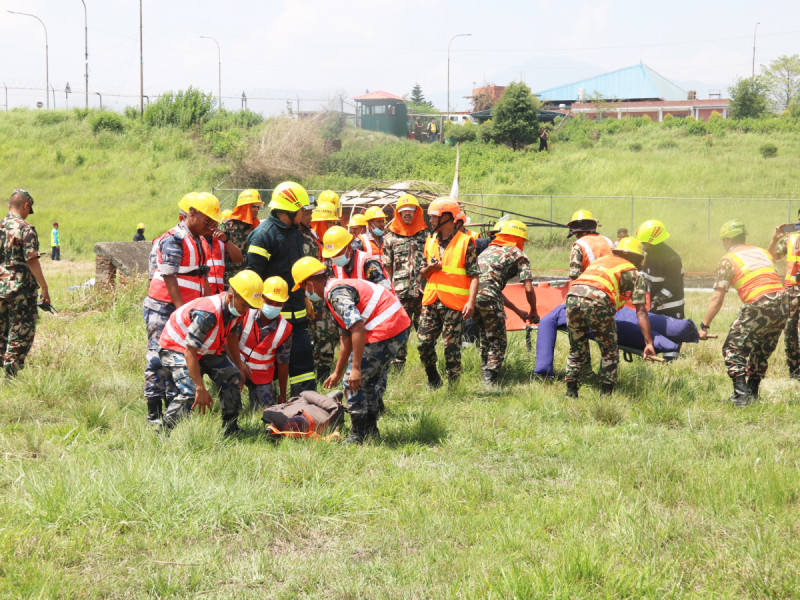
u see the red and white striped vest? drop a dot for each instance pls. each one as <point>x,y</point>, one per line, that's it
<point>358,267</point>
<point>384,316</point>
<point>189,279</point>
<point>216,266</point>
<point>174,335</point>
<point>259,353</point>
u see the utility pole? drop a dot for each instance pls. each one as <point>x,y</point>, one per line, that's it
<point>46,55</point>
<point>219,59</point>
<point>448,71</point>
<point>141,64</point>
<point>755,30</point>
<point>86,50</point>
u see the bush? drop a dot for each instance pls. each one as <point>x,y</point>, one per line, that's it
<point>715,116</point>
<point>106,121</point>
<point>223,120</point>
<point>182,110</point>
<point>486,132</point>
<point>80,113</point>
<point>768,150</point>
<point>694,127</point>
<point>51,117</point>
<point>636,147</point>
<point>132,113</point>
<point>460,133</point>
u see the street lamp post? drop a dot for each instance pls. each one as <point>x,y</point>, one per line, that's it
<point>67,92</point>
<point>219,62</point>
<point>244,101</point>
<point>52,89</point>
<point>755,30</point>
<point>86,50</point>
<point>448,68</point>
<point>46,55</point>
<point>101,99</point>
<point>141,63</point>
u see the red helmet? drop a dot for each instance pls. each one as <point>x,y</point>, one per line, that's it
<point>55,224</point>
<point>444,205</point>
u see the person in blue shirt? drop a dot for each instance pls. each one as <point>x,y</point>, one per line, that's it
<point>55,248</point>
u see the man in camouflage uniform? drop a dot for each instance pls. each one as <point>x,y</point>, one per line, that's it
<point>20,278</point>
<point>238,226</point>
<point>500,262</point>
<point>592,304</point>
<point>755,332</point>
<point>404,259</point>
<point>588,246</point>
<point>782,245</point>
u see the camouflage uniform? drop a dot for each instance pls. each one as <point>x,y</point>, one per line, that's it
<point>791,338</point>
<point>576,258</point>
<point>237,232</point>
<point>437,319</point>
<point>263,395</point>
<point>589,308</point>
<point>498,264</point>
<point>405,256</point>
<point>375,361</point>
<point>755,332</point>
<point>18,291</point>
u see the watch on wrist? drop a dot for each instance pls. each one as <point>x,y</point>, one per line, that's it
<point>703,326</point>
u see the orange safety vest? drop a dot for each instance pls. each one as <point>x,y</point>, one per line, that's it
<point>358,267</point>
<point>258,353</point>
<point>370,247</point>
<point>594,246</point>
<point>792,259</point>
<point>605,274</point>
<point>754,275</point>
<point>473,234</point>
<point>190,281</point>
<point>173,337</point>
<point>216,266</point>
<point>451,283</point>
<point>384,316</point>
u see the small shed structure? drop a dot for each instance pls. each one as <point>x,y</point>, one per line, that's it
<point>384,112</point>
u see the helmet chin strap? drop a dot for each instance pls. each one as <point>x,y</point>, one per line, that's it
<point>452,220</point>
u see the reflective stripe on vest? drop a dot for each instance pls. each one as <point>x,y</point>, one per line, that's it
<point>594,246</point>
<point>754,275</point>
<point>369,245</point>
<point>384,316</point>
<point>451,283</point>
<point>359,261</point>
<point>191,286</point>
<point>792,259</point>
<point>605,274</point>
<point>216,267</point>
<point>174,335</point>
<point>259,354</point>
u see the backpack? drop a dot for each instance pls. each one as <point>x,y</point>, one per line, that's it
<point>308,415</point>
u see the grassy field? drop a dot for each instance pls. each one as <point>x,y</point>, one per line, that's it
<point>663,490</point>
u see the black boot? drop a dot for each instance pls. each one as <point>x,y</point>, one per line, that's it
<point>572,389</point>
<point>434,379</point>
<point>489,376</point>
<point>230,425</point>
<point>371,427</point>
<point>606,389</point>
<point>358,427</point>
<point>741,392</point>
<point>154,412</point>
<point>381,406</point>
<point>753,384</point>
<point>336,395</point>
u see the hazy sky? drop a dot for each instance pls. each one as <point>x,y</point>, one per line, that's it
<point>314,49</point>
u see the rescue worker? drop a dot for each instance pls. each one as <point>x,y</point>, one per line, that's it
<point>322,219</point>
<point>179,277</point>
<point>592,303</point>
<point>663,271</point>
<point>757,328</point>
<point>21,278</point>
<point>372,239</point>
<point>349,263</point>
<point>451,272</point>
<point>275,245</point>
<point>788,245</point>
<point>220,250</point>
<point>588,246</point>
<point>373,327</point>
<point>55,247</point>
<point>500,262</point>
<point>199,339</point>
<point>265,344</point>
<point>357,224</point>
<point>312,244</point>
<point>331,197</point>
<point>238,226</point>
<point>404,259</point>
<point>139,235</point>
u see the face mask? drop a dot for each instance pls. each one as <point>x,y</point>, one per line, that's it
<point>270,312</point>
<point>377,232</point>
<point>313,296</point>
<point>234,312</point>
<point>340,261</point>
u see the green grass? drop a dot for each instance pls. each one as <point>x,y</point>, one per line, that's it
<point>663,490</point>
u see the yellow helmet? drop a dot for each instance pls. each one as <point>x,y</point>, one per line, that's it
<point>514,227</point>
<point>582,215</point>
<point>329,196</point>
<point>732,229</point>
<point>289,196</point>
<point>581,219</point>
<point>335,240</point>
<point>357,220</point>
<point>325,212</point>
<point>140,226</point>
<point>276,289</point>
<point>208,204</point>
<point>652,232</point>
<point>249,286</point>
<point>630,245</point>
<point>186,202</point>
<point>306,267</point>
<point>225,214</point>
<point>249,197</point>
<point>407,200</point>
<point>374,212</point>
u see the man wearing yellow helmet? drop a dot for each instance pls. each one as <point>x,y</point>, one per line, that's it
<point>755,332</point>
<point>349,263</point>
<point>589,245</point>
<point>275,245</point>
<point>238,226</point>
<point>592,304</point>
<point>371,240</point>
<point>785,242</point>
<point>500,262</point>
<point>357,224</point>
<point>663,270</point>
<point>201,338</point>
<point>139,235</point>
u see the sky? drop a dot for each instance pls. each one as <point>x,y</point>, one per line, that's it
<point>312,52</point>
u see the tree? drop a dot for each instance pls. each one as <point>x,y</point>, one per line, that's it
<point>749,97</point>
<point>514,116</point>
<point>783,77</point>
<point>482,100</point>
<point>416,101</point>
<point>417,97</point>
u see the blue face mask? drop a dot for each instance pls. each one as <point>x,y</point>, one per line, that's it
<point>340,261</point>
<point>377,232</point>
<point>314,297</point>
<point>232,308</point>
<point>270,312</point>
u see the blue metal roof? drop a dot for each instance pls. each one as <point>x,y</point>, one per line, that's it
<point>638,82</point>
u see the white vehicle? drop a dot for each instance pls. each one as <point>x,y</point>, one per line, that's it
<point>462,119</point>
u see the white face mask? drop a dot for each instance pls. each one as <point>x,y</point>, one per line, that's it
<point>340,261</point>
<point>270,312</point>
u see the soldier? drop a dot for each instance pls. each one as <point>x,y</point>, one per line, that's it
<point>404,259</point>
<point>349,263</point>
<point>756,330</point>
<point>502,260</point>
<point>789,247</point>
<point>592,303</point>
<point>238,226</point>
<point>199,339</point>
<point>371,240</point>
<point>663,271</point>
<point>20,278</point>
<point>589,245</point>
<point>449,297</point>
<point>373,327</point>
<point>275,245</point>
<point>179,276</point>
<point>357,224</point>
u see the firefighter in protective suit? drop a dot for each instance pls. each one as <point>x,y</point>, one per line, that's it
<point>663,270</point>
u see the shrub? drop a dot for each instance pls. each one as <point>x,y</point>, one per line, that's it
<point>80,113</point>
<point>694,127</point>
<point>668,145</point>
<point>132,113</point>
<point>715,116</point>
<point>636,147</point>
<point>182,110</point>
<point>669,117</point>
<point>223,120</point>
<point>460,133</point>
<point>486,132</point>
<point>51,117</point>
<point>106,121</point>
<point>768,150</point>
